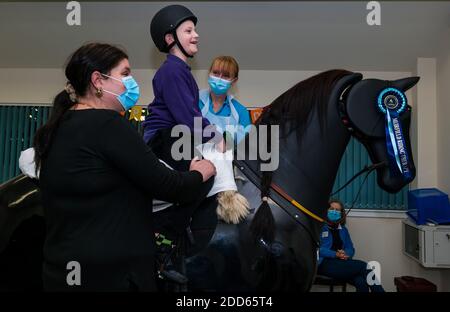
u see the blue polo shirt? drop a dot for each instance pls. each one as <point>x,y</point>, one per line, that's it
<point>176,98</point>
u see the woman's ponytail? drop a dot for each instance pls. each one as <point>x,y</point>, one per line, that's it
<point>43,137</point>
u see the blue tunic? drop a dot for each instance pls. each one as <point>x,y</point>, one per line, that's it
<point>227,119</point>
<point>225,111</point>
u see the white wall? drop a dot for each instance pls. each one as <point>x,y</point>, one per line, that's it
<point>426,114</point>
<point>443,109</point>
<point>414,133</point>
<point>443,126</point>
<point>254,88</point>
<point>385,246</point>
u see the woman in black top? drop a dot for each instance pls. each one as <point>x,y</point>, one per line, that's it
<point>98,179</point>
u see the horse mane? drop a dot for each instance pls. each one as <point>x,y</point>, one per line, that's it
<point>292,109</point>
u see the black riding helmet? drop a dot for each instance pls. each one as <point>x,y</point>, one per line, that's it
<point>167,21</point>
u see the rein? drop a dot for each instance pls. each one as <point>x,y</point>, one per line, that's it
<point>367,169</point>
<point>308,212</point>
<point>283,194</point>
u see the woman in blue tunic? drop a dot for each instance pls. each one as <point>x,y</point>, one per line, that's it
<point>218,105</point>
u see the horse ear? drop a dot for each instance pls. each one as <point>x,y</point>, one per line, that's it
<point>405,83</point>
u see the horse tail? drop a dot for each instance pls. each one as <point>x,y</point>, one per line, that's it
<point>263,223</point>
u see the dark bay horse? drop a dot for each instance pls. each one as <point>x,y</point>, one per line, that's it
<point>275,247</point>
<point>277,250</point>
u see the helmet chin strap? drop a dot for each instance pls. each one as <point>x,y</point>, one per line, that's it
<point>170,46</point>
<point>178,43</point>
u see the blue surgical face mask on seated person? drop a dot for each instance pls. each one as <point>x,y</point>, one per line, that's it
<point>131,94</point>
<point>334,215</point>
<point>218,85</point>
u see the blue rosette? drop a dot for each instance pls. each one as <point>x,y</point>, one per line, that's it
<point>392,103</point>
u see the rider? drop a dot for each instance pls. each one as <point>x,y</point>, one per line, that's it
<point>175,103</point>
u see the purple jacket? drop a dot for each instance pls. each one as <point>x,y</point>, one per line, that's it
<point>176,98</point>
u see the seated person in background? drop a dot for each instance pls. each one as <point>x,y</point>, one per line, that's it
<point>336,252</point>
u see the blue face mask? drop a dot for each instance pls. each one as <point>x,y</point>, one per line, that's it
<point>218,85</point>
<point>334,215</point>
<point>131,94</point>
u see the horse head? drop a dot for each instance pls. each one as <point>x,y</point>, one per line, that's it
<point>317,117</point>
<point>377,113</point>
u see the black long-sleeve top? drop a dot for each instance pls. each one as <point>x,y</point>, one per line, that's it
<point>97,185</point>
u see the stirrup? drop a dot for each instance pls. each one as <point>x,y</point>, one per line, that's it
<point>162,240</point>
<point>166,267</point>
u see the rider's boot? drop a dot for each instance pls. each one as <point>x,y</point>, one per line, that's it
<point>165,257</point>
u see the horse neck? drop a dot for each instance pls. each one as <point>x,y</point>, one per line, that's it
<point>307,169</point>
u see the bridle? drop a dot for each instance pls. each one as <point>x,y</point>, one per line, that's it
<point>367,169</point>
<point>346,121</point>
